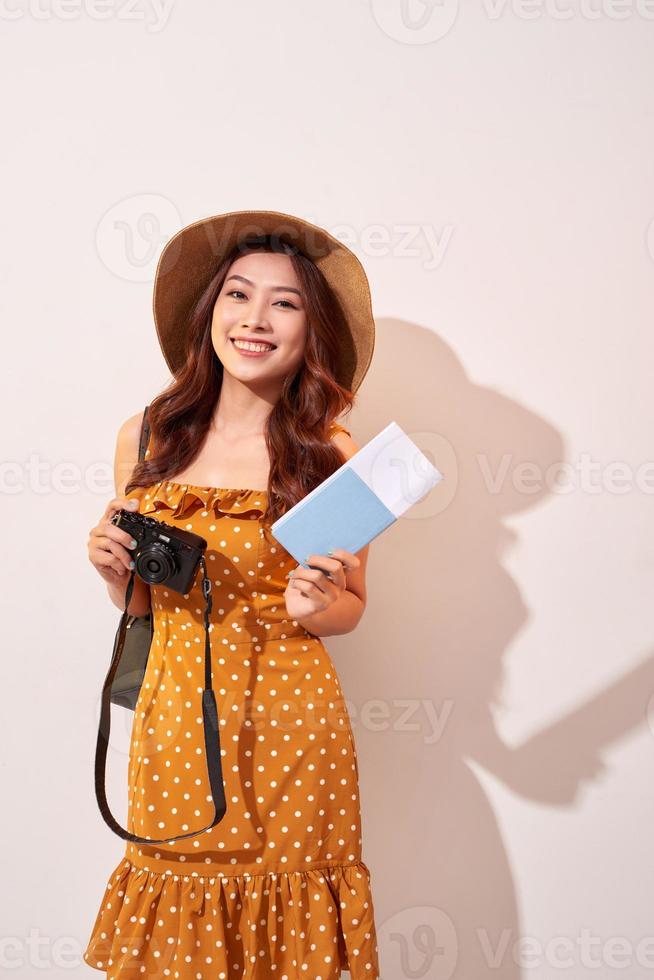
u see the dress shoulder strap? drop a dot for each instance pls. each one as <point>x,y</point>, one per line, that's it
<point>145,434</point>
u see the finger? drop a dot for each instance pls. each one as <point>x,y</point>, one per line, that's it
<point>331,567</point>
<point>106,545</point>
<point>336,575</point>
<point>105,563</point>
<point>337,558</point>
<point>324,574</point>
<point>120,534</point>
<point>121,503</point>
<point>109,530</point>
<point>115,555</point>
<point>316,578</point>
<point>306,577</point>
<point>347,558</point>
<point>305,588</point>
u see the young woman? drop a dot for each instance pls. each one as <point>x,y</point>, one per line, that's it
<point>268,337</point>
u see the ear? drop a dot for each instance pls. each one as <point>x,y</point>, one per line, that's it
<point>355,578</point>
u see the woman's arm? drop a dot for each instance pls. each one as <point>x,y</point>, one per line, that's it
<point>125,459</point>
<point>343,615</point>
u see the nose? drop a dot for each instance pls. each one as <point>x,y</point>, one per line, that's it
<point>252,325</point>
<point>256,322</point>
<point>255,314</point>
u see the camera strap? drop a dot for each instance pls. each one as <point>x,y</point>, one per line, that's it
<point>209,715</point>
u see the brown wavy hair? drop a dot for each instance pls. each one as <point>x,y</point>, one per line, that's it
<point>297,430</point>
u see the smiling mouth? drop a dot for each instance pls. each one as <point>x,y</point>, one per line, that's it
<point>253,348</point>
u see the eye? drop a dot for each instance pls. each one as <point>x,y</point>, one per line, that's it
<point>240,292</point>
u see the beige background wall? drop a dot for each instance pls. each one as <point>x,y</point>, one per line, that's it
<point>492,167</point>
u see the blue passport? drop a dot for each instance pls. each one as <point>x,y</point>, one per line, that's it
<point>360,499</point>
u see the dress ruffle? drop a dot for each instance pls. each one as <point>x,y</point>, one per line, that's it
<point>182,499</point>
<point>263,925</point>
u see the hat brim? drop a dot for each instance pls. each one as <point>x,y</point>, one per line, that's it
<point>189,261</point>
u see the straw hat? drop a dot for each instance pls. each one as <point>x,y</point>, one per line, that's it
<point>189,261</point>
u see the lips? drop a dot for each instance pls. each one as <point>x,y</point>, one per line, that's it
<point>267,349</point>
<point>245,352</point>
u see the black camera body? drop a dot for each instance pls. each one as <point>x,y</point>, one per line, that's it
<point>164,555</point>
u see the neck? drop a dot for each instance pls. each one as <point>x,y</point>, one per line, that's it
<point>242,409</point>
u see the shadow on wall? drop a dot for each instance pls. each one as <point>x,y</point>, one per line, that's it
<point>425,668</point>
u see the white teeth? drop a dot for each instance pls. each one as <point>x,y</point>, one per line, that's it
<point>246,345</point>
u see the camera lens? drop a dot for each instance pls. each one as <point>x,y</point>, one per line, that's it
<point>155,563</point>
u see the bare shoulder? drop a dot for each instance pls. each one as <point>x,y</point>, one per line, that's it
<point>345,443</point>
<point>127,451</point>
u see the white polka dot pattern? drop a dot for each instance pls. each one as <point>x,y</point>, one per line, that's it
<point>278,888</point>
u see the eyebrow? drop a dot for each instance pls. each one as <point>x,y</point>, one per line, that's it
<point>276,289</point>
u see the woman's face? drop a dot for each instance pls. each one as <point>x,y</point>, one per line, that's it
<point>260,300</point>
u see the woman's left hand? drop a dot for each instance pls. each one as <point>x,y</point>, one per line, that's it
<point>310,590</point>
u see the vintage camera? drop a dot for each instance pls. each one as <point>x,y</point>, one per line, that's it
<point>164,555</point>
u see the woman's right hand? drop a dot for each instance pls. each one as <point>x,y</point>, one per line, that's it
<point>109,546</point>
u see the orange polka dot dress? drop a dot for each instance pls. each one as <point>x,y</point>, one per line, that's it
<point>278,888</point>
